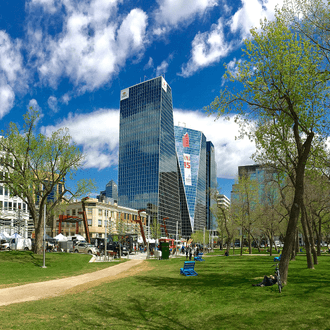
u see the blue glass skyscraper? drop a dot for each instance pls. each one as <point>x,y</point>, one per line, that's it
<point>147,170</point>
<point>211,186</point>
<point>191,155</point>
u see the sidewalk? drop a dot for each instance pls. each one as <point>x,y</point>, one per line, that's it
<point>41,290</point>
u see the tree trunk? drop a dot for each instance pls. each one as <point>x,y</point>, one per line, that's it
<point>249,241</point>
<point>271,244</point>
<point>294,248</point>
<point>311,239</point>
<point>306,238</point>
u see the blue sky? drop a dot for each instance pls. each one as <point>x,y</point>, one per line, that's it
<point>70,58</point>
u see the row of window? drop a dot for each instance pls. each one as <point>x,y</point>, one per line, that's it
<point>12,206</point>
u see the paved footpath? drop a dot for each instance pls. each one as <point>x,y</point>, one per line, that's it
<point>40,290</point>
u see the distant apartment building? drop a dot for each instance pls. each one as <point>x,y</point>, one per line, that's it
<point>14,214</point>
<point>223,201</point>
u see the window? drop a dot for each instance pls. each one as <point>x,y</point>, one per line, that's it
<point>6,192</point>
<point>1,190</point>
<point>24,207</point>
<point>74,212</point>
<point>100,212</point>
<point>6,205</point>
<point>68,212</point>
<point>89,211</point>
<point>10,205</point>
<point>1,205</point>
<point>15,205</point>
<point>89,222</point>
<point>100,223</point>
<point>105,223</point>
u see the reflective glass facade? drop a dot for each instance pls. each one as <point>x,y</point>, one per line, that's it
<point>212,184</point>
<point>147,170</point>
<point>191,155</point>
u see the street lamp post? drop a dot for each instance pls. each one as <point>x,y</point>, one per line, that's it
<point>44,244</point>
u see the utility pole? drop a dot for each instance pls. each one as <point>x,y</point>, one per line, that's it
<point>105,239</point>
<point>44,245</point>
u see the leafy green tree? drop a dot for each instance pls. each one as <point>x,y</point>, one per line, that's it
<point>155,229</point>
<point>244,204</point>
<point>282,97</point>
<point>36,167</point>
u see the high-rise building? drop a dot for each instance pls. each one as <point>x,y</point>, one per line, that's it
<point>110,193</point>
<point>211,186</point>
<point>192,167</point>
<point>147,170</point>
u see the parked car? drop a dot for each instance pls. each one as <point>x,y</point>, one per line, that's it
<point>84,247</point>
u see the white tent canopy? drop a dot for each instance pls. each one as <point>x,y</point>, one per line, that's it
<point>78,237</point>
<point>15,236</point>
<point>4,235</point>
<point>60,237</point>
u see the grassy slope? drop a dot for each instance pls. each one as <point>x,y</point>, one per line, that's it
<point>220,297</point>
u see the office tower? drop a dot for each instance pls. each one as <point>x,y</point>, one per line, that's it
<point>211,187</point>
<point>147,169</point>
<point>192,167</point>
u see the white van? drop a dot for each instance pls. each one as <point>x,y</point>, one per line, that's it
<point>22,244</point>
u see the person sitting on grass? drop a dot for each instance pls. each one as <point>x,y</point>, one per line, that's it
<point>267,281</point>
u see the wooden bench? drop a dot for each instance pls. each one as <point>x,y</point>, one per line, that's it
<point>188,269</point>
<point>199,257</point>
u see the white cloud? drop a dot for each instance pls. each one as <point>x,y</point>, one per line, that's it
<point>232,67</point>
<point>162,68</point>
<point>250,14</point>
<point>171,13</point>
<point>7,98</point>
<point>100,144</point>
<point>12,74</point>
<point>229,152</point>
<point>207,48</point>
<point>149,65</point>
<point>52,103</point>
<point>94,43</point>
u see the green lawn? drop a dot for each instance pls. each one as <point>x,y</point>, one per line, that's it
<point>21,267</point>
<point>220,297</point>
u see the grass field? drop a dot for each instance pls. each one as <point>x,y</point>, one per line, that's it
<point>21,267</point>
<point>220,297</point>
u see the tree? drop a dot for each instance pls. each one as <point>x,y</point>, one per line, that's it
<point>311,19</point>
<point>155,229</point>
<point>36,167</point>
<point>244,205</point>
<point>283,99</point>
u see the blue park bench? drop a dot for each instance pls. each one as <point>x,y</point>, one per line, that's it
<point>277,258</point>
<point>199,257</point>
<point>188,269</point>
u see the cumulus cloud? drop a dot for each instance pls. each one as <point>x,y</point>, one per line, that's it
<point>207,48</point>
<point>171,13</point>
<point>12,73</point>
<point>149,65</point>
<point>250,14</point>
<point>52,103</point>
<point>229,152</point>
<point>100,145</point>
<point>162,68</point>
<point>93,45</point>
